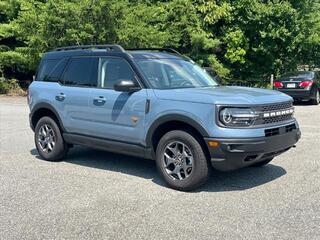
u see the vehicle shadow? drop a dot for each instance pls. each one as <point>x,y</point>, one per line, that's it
<point>241,179</point>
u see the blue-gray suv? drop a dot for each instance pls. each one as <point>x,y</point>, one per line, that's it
<point>155,103</point>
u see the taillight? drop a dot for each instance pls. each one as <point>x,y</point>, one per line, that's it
<point>306,84</point>
<point>278,84</point>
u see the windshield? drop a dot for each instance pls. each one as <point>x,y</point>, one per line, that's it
<point>175,73</point>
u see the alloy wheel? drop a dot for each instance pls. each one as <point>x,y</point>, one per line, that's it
<point>177,160</point>
<point>46,138</point>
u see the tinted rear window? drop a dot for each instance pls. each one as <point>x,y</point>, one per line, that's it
<point>80,72</point>
<point>298,75</point>
<point>45,68</point>
<point>57,71</point>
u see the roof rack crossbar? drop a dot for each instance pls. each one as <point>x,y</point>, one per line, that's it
<point>108,47</point>
<point>169,50</point>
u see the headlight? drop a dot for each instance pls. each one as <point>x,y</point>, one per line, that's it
<point>237,117</point>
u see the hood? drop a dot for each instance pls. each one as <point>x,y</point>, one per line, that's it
<point>223,95</point>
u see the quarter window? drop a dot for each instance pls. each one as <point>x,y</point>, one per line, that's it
<point>56,73</point>
<point>80,72</point>
<point>45,69</point>
<point>112,70</point>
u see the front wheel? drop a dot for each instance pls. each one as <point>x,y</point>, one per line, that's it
<point>181,161</point>
<point>49,140</point>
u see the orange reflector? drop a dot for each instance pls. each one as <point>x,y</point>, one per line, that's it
<point>214,144</point>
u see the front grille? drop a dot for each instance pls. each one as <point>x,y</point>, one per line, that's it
<point>276,119</point>
<point>272,132</point>
<point>276,107</point>
<point>280,130</point>
<point>271,111</point>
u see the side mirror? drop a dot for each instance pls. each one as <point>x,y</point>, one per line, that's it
<point>126,86</point>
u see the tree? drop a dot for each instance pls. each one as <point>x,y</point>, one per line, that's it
<point>13,62</point>
<point>240,39</point>
<point>310,21</point>
<point>178,24</point>
<point>62,23</point>
<point>261,38</point>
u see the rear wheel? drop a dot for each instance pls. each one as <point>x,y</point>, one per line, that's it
<point>262,163</point>
<point>181,161</point>
<point>49,141</point>
<point>316,97</point>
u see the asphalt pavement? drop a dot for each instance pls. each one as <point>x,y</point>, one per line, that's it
<point>99,195</point>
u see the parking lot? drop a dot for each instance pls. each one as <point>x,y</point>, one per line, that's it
<point>99,195</point>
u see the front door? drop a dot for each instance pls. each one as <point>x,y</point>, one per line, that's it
<point>116,115</point>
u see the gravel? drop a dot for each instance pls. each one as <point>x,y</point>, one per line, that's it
<point>100,195</point>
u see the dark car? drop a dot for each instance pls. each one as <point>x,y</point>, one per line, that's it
<point>301,85</point>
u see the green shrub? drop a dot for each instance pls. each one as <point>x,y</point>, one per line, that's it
<point>4,86</point>
<point>10,87</point>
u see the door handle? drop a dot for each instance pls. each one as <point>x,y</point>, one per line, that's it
<point>99,99</point>
<point>60,97</point>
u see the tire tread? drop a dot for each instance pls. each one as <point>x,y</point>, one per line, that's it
<point>202,167</point>
<point>61,148</point>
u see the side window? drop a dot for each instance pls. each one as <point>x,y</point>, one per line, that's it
<point>80,72</point>
<point>56,73</point>
<point>46,66</point>
<point>111,70</point>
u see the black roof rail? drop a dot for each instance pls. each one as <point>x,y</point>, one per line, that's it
<point>169,50</point>
<point>108,47</point>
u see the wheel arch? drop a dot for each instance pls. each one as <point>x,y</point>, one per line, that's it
<point>44,109</point>
<point>173,122</point>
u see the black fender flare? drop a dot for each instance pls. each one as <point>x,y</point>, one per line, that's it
<point>174,117</point>
<point>47,106</point>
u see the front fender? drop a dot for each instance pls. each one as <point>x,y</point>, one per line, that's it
<point>174,117</point>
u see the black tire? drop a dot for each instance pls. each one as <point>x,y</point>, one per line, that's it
<point>315,97</point>
<point>60,148</point>
<point>263,163</point>
<point>200,170</point>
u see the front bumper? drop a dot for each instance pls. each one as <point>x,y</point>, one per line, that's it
<point>298,94</point>
<point>232,154</point>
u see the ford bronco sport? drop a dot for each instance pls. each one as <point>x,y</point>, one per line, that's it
<point>157,104</point>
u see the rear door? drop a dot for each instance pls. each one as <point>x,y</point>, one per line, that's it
<point>77,82</point>
<point>46,86</point>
